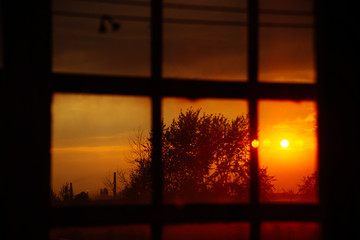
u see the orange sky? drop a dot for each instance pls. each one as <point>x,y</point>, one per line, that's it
<point>90,137</point>
<point>90,133</point>
<point>296,122</point>
<point>190,50</point>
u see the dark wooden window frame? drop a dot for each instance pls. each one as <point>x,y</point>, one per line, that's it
<point>43,84</point>
<point>157,214</point>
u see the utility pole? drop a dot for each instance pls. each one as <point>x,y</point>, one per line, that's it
<point>114,185</point>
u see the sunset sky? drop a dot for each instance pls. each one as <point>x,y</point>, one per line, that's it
<point>295,122</point>
<point>90,133</point>
<point>90,137</point>
<point>199,51</point>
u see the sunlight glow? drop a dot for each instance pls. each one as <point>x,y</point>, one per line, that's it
<point>284,143</point>
<point>255,143</point>
<point>267,142</point>
<point>288,139</point>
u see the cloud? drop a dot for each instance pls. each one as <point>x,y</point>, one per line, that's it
<point>115,148</point>
<point>304,126</point>
<point>281,126</point>
<point>308,119</point>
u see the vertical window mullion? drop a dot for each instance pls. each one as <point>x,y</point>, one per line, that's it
<point>253,38</point>
<point>156,164</point>
<point>252,76</point>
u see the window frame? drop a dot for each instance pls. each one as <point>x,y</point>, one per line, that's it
<point>158,214</point>
<point>156,87</point>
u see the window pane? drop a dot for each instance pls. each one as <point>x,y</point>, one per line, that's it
<point>287,5</point>
<point>286,42</point>
<point>290,230</point>
<point>131,232</point>
<point>288,151</point>
<point>94,136</point>
<point>229,231</point>
<point>205,40</point>
<point>205,151</point>
<point>110,38</point>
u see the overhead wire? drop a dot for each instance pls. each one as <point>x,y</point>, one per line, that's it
<point>179,20</point>
<point>197,7</point>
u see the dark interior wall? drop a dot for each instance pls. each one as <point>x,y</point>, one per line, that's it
<point>337,44</point>
<point>27,64</point>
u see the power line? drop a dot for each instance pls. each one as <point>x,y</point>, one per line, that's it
<point>98,16</point>
<point>173,6</point>
<point>210,8</point>
<point>179,20</point>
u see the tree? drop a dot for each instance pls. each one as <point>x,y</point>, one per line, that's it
<point>205,157</point>
<point>310,186</point>
<point>66,192</point>
<point>53,197</point>
<point>265,184</point>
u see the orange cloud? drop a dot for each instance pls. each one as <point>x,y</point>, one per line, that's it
<point>116,148</point>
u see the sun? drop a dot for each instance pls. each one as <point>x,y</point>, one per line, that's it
<point>255,143</point>
<point>284,143</point>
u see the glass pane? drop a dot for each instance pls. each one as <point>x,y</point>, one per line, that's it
<point>93,137</point>
<point>214,231</point>
<point>287,5</point>
<point>290,230</point>
<point>95,37</point>
<point>130,232</point>
<point>286,42</point>
<point>205,40</point>
<point>288,151</point>
<point>205,151</point>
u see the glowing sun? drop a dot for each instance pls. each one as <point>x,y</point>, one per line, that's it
<point>284,143</point>
<point>255,143</point>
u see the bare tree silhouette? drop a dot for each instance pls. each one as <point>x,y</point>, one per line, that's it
<point>66,192</point>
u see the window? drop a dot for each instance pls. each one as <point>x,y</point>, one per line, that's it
<point>94,37</point>
<point>204,40</point>
<point>203,51</point>
<point>94,141</point>
<point>286,41</point>
<point>154,84</point>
